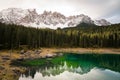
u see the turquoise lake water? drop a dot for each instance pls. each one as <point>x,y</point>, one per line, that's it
<point>74,67</point>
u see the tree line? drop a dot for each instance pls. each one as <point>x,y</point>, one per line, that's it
<point>15,36</point>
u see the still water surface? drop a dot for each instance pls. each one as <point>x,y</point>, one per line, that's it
<point>74,67</point>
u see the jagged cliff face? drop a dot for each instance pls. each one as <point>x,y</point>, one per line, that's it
<point>102,22</point>
<point>29,17</point>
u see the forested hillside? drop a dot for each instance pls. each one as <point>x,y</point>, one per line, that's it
<point>14,36</point>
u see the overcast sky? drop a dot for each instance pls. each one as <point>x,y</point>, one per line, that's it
<point>96,9</point>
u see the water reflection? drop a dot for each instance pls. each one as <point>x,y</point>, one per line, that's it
<point>94,74</point>
<point>76,67</point>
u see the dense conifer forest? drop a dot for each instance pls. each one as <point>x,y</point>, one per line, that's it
<point>85,36</point>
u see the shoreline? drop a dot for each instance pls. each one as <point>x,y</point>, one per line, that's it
<point>8,72</point>
<point>81,50</point>
<point>15,54</point>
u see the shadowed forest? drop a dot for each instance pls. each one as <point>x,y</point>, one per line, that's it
<point>83,35</point>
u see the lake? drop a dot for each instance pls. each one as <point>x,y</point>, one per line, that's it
<point>73,67</point>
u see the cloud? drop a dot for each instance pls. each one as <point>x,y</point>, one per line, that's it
<point>96,9</point>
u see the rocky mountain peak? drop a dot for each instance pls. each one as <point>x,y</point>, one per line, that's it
<point>102,22</point>
<point>30,17</point>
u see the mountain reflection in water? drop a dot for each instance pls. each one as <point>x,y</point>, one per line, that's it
<point>76,67</point>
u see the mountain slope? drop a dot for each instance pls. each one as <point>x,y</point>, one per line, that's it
<point>102,22</point>
<point>29,17</point>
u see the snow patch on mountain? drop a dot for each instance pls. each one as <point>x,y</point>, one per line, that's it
<point>102,22</point>
<point>48,19</point>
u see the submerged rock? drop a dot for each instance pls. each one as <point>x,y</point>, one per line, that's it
<point>60,54</point>
<point>50,55</point>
